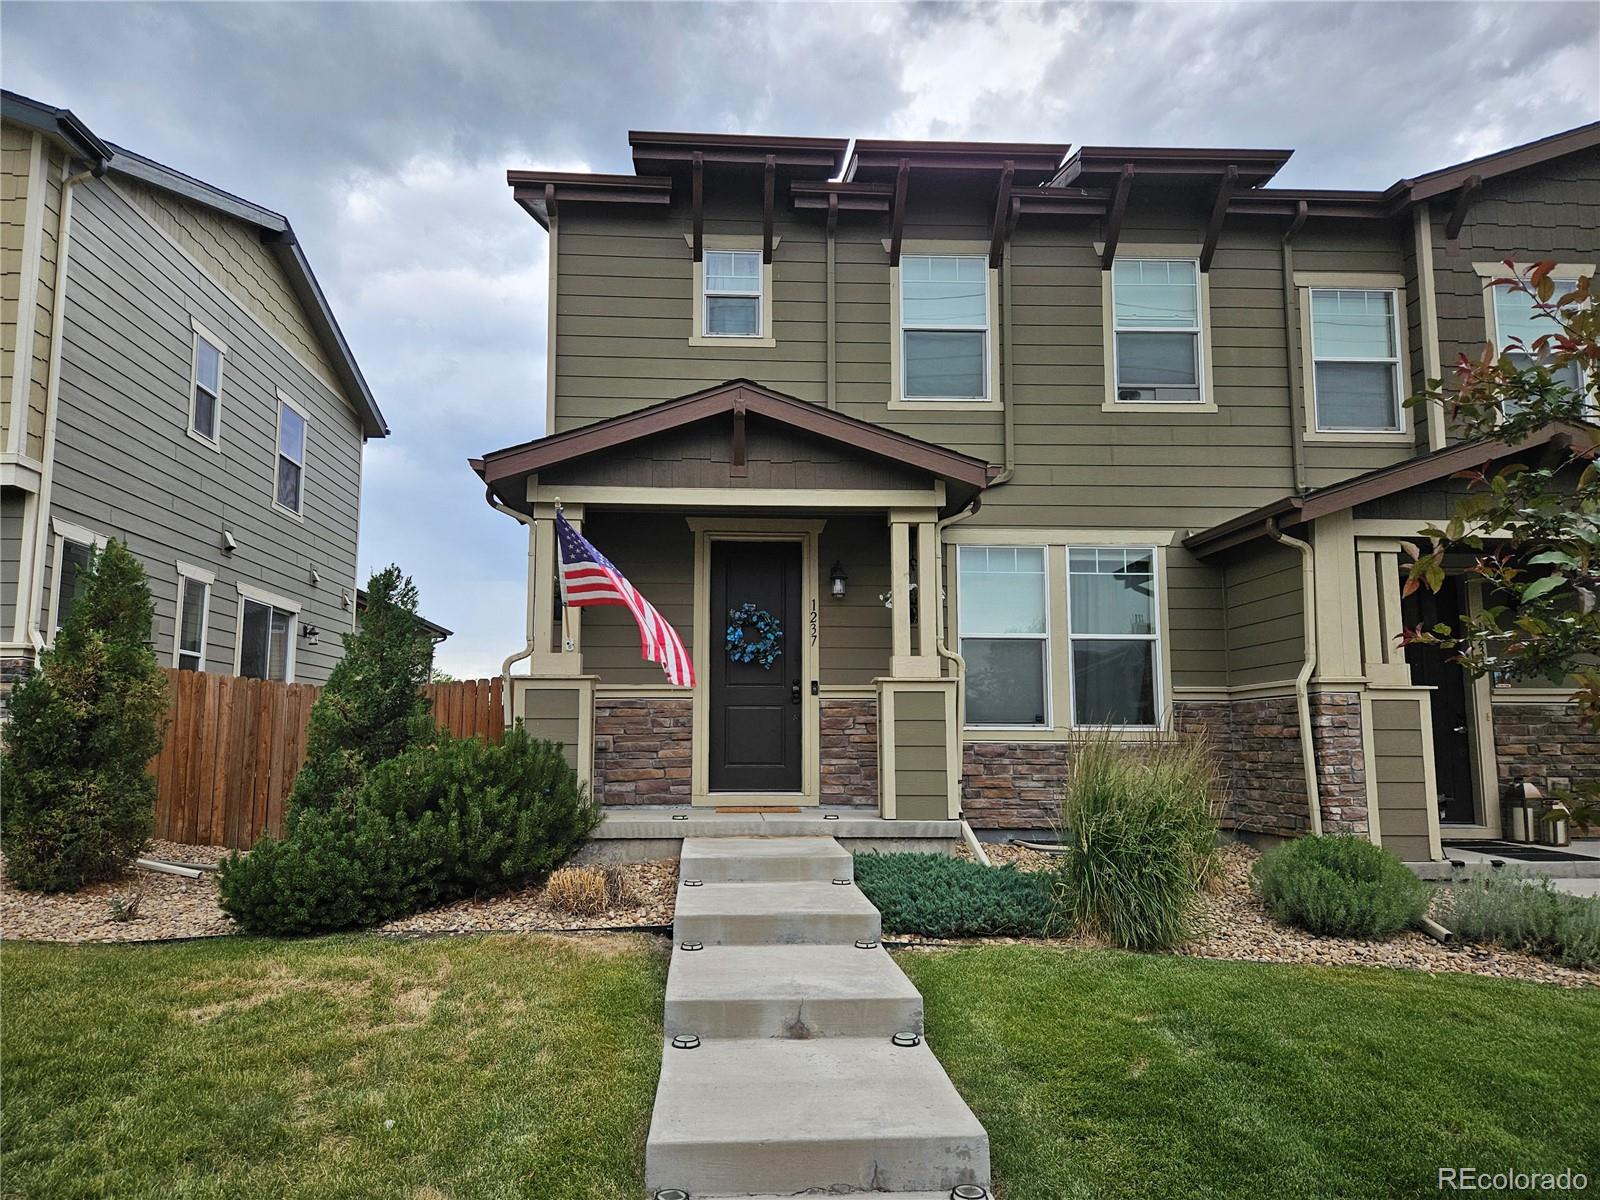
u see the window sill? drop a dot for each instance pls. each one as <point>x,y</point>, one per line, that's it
<point>1035,733</point>
<point>1171,406</point>
<point>735,343</point>
<point>1403,437</point>
<point>208,443</point>
<point>288,512</point>
<point>921,405</point>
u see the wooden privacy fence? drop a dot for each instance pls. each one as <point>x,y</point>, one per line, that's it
<point>234,746</point>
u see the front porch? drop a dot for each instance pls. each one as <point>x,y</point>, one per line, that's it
<point>648,832</point>
<point>743,500</point>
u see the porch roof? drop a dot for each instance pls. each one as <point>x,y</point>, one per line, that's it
<point>1374,485</point>
<point>505,471</point>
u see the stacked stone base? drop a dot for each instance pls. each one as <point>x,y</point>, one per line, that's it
<point>849,748</point>
<point>642,750</point>
<point>1547,745</point>
<point>12,669</point>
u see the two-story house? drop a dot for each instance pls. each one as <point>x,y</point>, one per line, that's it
<point>1009,441</point>
<point>172,377</point>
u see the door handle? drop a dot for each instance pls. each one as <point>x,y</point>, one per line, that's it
<point>794,692</point>
<point>1458,729</point>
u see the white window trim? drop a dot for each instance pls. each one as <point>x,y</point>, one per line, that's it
<point>991,342</point>
<point>277,452</point>
<point>249,591</point>
<point>699,337</point>
<point>1305,283</point>
<point>198,331</point>
<point>200,575</point>
<point>66,531</point>
<point>1046,640</point>
<point>1157,638</point>
<point>1489,272</point>
<point>1164,253</point>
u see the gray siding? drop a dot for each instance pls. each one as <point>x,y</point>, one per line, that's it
<point>127,468</point>
<point>1399,758</point>
<point>1265,615</point>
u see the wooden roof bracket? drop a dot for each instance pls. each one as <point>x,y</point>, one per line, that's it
<point>768,187</point>
<point>998,227</point>
<point>1114,215</point>
<point>697,201</point>
<point>738,465</point>
<point>1464,197</point>
<point>897,220</point>
<point>1219,211</point>
<point>549,202</point>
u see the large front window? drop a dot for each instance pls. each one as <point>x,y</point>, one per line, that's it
<point>1156,313</point>
<point>944,327</point>
<point>1004,634</point>
<point>1114,634</point>
<point>1355,349</point>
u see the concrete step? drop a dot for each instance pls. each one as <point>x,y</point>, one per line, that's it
<point>746,1117</point>
<point>774,914</point>
<point>789,992</point>
<point>765,860</point>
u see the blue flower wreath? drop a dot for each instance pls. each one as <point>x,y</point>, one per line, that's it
<point>767,643</point>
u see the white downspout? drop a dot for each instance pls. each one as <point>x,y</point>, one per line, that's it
<point>58,314</point>
<point>1302,691</point>
<point>527,649</point>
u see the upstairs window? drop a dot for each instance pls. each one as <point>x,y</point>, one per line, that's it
<point>732,293</point>
<point>1516,319</point>
<point>289,494</point>
<point>1355,350</point>
<point>205,390</point>
<point>1156,313</point>
<point>944,327</point>
<point>1004,635</point>
<point>266,635</point>
<point>1112,626</point>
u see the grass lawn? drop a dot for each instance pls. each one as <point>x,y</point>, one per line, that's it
<point>1101,1074</point>
<point>239,1068</point>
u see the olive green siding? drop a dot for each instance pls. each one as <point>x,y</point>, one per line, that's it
<point>921,756</point>
<point>854,638</point>
<point>1401,778</point>
<point>1196,632</point>
<point>1552,213</point>
<point>1265,614</point>
<point>11,501</point>
<point>552,714</point>
<point>656,553</point>
<point>20,256</point>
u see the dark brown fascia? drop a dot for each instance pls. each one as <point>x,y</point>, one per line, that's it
<point>1502,162</point>
<point>1062,201</point>
<point>663,152</point>
<point>740,395</point>
<point>1032,162</point>
<point>852,197</point>
<point>1319,202</point>
<point>1374,485</point>
<point>534,190</point>
<point>1100,166</point>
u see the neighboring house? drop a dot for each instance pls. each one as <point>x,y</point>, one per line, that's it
<point>436,632</point>
<point>185,390</point>
<point>1014,442</point>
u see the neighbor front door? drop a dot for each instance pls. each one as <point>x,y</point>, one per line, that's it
<point>1451,710</point>
<point>755,705</point>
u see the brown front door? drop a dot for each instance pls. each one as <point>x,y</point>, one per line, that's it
<point>755,706</point>
<point>1432,667</point>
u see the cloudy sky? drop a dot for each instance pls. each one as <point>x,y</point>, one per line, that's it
<point>384,131</point>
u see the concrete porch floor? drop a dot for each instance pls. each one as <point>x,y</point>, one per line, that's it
<point>1482,861</point>
<point>638,833</point>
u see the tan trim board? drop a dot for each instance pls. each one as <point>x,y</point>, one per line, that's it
<point>738,499</point>
<point>1393,284</point>
<point>1428,307</point>
<point>966,535</point>
<point>1208,395</point>
<point>27,298</point>
<point>764,340</point>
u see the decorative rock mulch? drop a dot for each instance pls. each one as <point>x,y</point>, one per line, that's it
<point>173,907</point>
<point>1235,926</point>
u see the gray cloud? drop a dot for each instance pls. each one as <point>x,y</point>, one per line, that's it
<point>384,131</point>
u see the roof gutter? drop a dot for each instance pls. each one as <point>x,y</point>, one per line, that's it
<point>1302,682</point>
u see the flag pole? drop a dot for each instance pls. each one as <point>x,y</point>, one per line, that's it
<point>566,629</point>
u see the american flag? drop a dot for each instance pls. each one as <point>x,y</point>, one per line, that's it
<point>589,578</point>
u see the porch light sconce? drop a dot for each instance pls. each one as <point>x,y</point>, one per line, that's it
<point>311,633</point>
<point>837,579</point>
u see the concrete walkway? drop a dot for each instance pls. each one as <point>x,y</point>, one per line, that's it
<point>780,1072</point>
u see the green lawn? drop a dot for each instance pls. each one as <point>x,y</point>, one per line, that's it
<point>239,1068</point>
<point>1118,1075</point>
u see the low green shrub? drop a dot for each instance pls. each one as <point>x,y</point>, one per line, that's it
<point>1138,827</point>
<point>1340,886</point>
<point>1511,909</point>
<point>934,895</point>
<point>454,818</point>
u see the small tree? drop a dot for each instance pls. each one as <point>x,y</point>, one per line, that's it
<point>372,708</point>
<point>79,799</point>
<point>1533,526</point>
